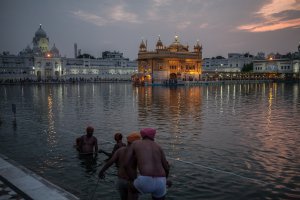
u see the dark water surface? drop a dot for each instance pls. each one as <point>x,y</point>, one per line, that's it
<point>223,142</point>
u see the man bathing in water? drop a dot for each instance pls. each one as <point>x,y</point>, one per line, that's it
<point>119,158</point>
<point>119,143</point>
<point>152,165</point>
<point>87,144</point>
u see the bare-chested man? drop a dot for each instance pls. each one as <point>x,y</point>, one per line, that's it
<point>152,165</point>
<point>119,143</point>
<point>119,158</point>
<point>87,144</point>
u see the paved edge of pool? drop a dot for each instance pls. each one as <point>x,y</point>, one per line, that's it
<point>29,184</point>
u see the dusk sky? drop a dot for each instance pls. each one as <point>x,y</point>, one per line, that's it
<point>221,26</point>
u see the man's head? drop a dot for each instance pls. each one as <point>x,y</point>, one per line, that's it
<point>118,137</point>
<point>148,133</point>
<point>133,137</point>
<point>89,131</point>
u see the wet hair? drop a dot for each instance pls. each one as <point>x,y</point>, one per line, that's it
<point>118,136</point>
<point>89,129</point>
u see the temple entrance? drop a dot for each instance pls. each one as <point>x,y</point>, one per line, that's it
<point>56,74</point>
<point>39,75</point>
<point>173,79</point>
<point>48,74</point>
<point>173,76</point>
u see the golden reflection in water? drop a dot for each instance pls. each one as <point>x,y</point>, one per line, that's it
<point>270,99</point>
<point>295,96</point>
<point>272,137</point>
<point>51,139</point>
<point>178,108</point>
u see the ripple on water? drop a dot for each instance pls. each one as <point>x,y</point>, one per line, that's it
<point>238,141</point>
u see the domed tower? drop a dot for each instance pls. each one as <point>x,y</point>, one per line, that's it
<point>176,46</point>
<point>159,44</point>
<point>143,47</point>
<point>198,47</point>
<point>54,51</point>
<point>40,41</point>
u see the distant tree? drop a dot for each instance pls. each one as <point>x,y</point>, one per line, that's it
<point>247,67</point>
<point>85,55</point>
<point>5,53</point>
<point>248,55</point>
<point>288,55</point>
<point>220,57</point>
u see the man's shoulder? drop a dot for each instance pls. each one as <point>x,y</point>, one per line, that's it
<point>120,150</point>
<point>80,137</point>
<point>94,138</point>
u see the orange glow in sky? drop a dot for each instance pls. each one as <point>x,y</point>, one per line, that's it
<point>269,20</point>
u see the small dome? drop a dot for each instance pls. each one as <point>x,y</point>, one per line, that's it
<point>40,33</point>
<point>159,43</point>
<point>54,51</point>
<point>197,47</point>
<point>176,46</point>
<point>142,46</point>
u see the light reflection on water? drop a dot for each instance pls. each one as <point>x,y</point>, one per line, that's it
<point>223,142</point>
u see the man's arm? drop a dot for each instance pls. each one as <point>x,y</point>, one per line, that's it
<point>165,163</point>
<point>127,165</point>
<point>96,145</point>
<point>109,163</point>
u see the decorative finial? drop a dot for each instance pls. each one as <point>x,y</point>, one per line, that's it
<point>40,25</point>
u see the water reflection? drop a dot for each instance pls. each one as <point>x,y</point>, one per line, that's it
<point>248,129</point>
<point>51,132</point>
<point>89,163</point>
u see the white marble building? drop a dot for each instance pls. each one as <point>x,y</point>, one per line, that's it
<point>41,63</point>
<point>234,63</point>
<point>282,66</point>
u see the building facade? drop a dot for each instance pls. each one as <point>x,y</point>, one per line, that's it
<point>42,63</point>
<point>234,63</point>
<point>275,66</point>
<point>165,63</point>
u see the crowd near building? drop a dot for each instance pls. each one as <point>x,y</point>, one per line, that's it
<point>42,63</point>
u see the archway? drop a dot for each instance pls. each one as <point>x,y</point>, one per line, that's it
<point>39,75</point>
<point>173,76</point>
<point>173,79</point>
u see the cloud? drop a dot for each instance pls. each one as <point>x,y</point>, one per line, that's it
<point>277,6</point>
<point>183,25</point>
<point>119,14</point>
<point>158,3</point>
<point>277,15</point>
<point>91,18</point>
<point>204,25</point>
<point>112,15</point>
<point>155,8</point>
<point>272,26</point>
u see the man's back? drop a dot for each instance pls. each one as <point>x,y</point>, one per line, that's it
<point>150,158</point>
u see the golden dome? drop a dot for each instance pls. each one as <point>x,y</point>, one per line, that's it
<point>159,43</point>
<point>142,45</point>
<point>177,46</point>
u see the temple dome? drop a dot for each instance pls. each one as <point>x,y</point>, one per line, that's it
<point>159,43</point>
<point>177,46</point>
<point>40,33</point>
<point>54,51</point>
<point>143,46</point>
